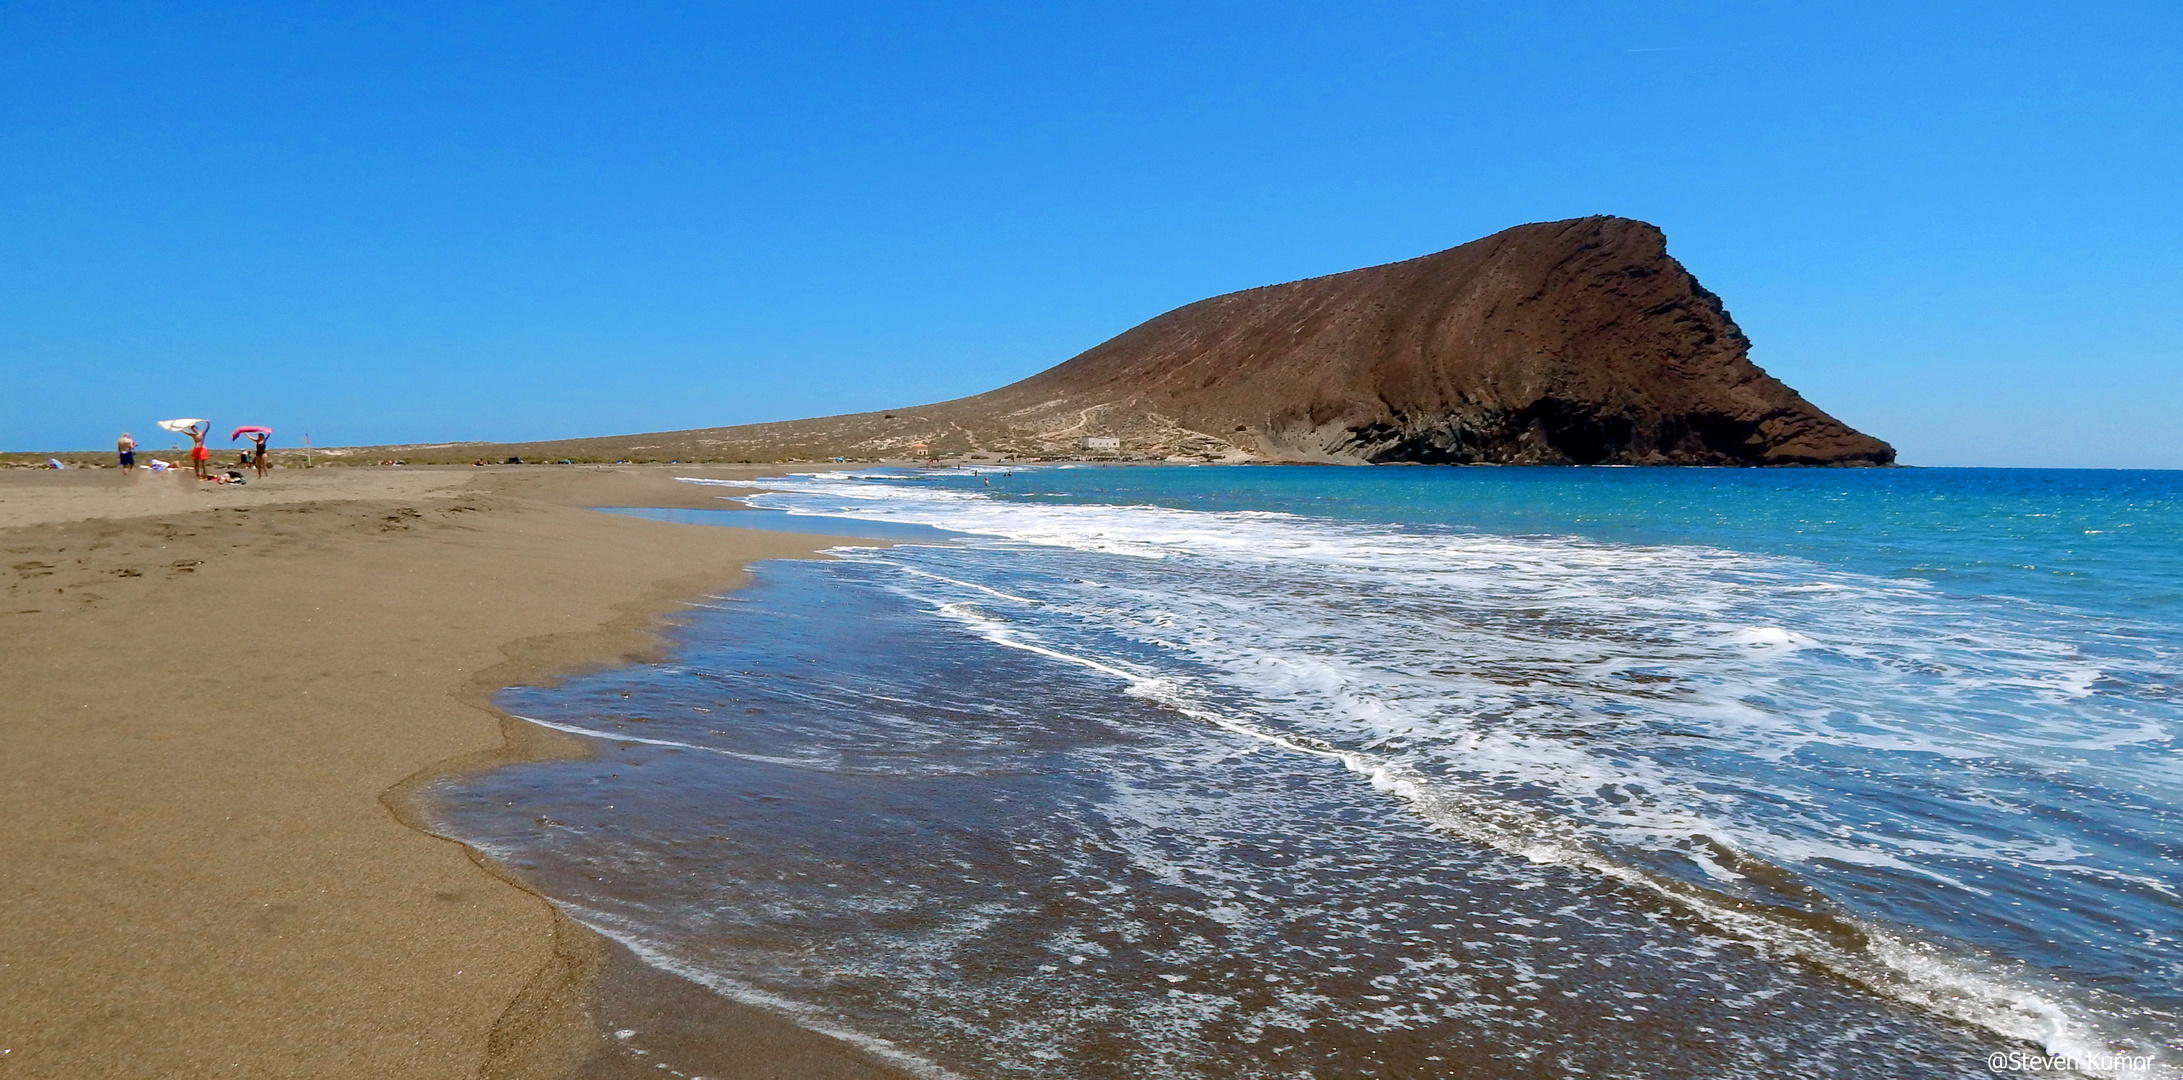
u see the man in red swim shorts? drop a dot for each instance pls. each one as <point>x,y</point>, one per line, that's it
<point>198,455</point>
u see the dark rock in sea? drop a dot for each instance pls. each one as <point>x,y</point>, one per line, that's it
<point>1562,342</point>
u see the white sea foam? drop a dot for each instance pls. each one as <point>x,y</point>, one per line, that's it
<point>827,763</point>
<point>634,938</point>
<point>1458,672</point>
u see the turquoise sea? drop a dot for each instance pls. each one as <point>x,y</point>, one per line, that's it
<point>1408,772</point>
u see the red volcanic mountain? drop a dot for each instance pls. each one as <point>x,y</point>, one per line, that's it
<point>1560,342</point>
<point>1564,342</point>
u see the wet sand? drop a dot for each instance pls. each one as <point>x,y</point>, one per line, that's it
<point>218,702</point>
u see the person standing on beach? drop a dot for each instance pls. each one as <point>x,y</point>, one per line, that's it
<point>257,452</point>
<point>199,458</point>
<point>125,449</point>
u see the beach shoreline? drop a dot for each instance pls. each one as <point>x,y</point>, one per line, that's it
<point>224,705</point>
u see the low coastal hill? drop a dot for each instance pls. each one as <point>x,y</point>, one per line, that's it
<point>1563,342</point>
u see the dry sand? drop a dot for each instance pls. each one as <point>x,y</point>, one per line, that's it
<point>217,700</point>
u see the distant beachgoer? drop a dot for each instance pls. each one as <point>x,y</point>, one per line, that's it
<point>200,459</point>
<point>257,452</point>
<point>125,449</point>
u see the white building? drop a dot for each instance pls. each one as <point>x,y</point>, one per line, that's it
<point>1102,442</point>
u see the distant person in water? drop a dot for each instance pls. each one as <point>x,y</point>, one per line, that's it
<point>200,459</point>
<point>257,452</point>
<point>125,449</point>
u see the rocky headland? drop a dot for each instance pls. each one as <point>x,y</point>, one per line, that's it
<point>1562,342</point>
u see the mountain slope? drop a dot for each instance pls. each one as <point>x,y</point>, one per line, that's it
<point>1569,341</point>
<point>1576,341</point>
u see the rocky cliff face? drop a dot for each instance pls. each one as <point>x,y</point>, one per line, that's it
<point>1564,342</point>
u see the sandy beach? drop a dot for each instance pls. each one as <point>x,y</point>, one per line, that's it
<point>218,701</point>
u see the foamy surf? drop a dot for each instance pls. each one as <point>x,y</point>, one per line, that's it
<point>1630,611</point>
<point>663,957</point>
<point>1958,984</point>
<point>1213,788</point>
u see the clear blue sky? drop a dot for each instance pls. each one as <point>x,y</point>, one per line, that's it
<point>1955,225</point>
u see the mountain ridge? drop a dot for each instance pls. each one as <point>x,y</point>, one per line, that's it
<point>1566,342</point>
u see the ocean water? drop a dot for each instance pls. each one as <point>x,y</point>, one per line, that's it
<point>1410,772</point>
